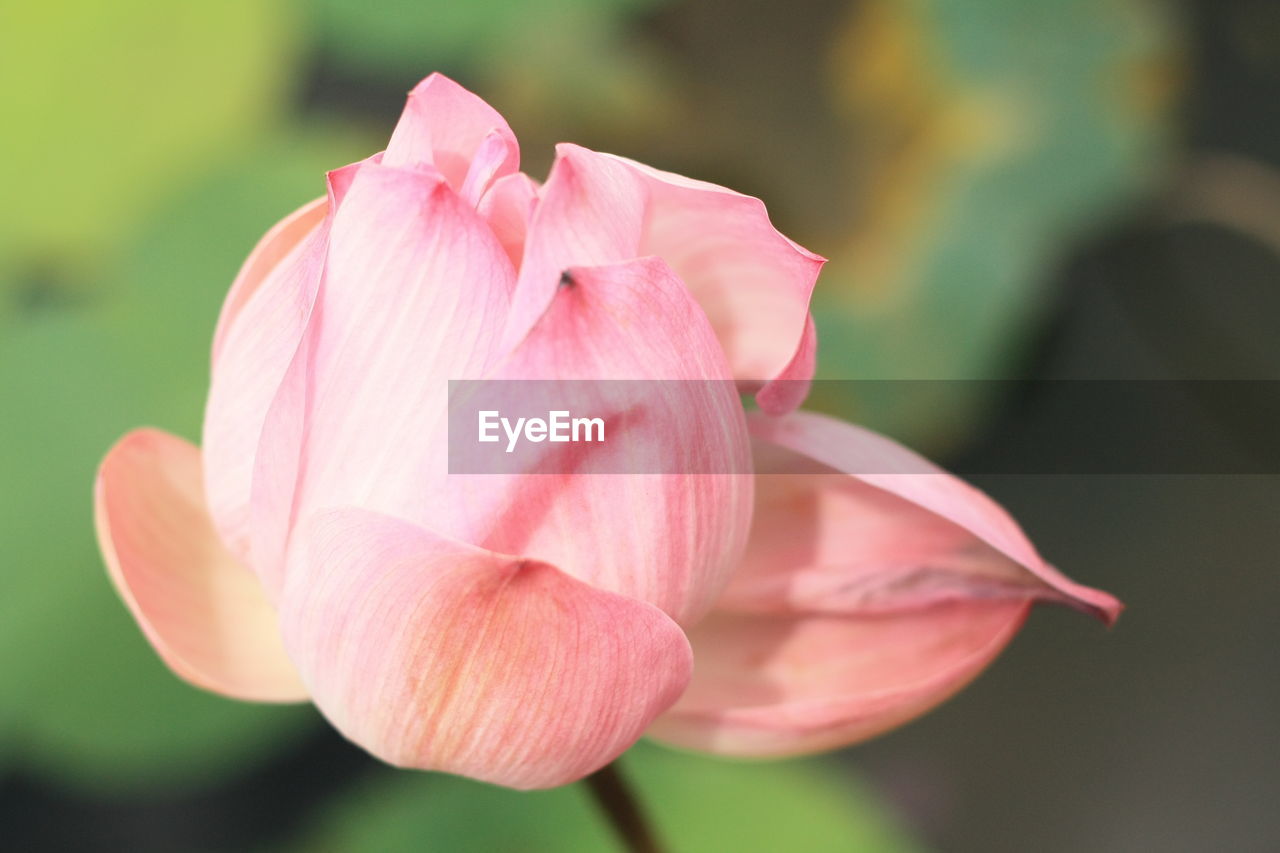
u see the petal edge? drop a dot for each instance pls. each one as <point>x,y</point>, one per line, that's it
<point>434,654</point>
<point>203,612</point>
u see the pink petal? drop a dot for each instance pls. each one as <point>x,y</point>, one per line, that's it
<point>202,610</point>
<point>508,207</point>
<point>274,247</point>
<point>789,388</point>
<point>453,131</point>
<point>438,655</point>
<point>339,180</point>
<point>489,162</point>
<point>787,685</point>
<point>831,543</point>
<point>899,532</point>
<point>753,282</point>
<point>590,212</point>
<point>251,361</point>
<point>671,539</point>
<point>277,245</point>
<point>415,291</point>
<point>875,585</point>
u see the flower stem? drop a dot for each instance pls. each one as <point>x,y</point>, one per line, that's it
<point>619,803</point>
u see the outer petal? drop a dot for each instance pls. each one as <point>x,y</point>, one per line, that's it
<point>899,532</point>
<point>438,655</point>
<point>278,245</point>
<point>671,539</point>
<point>203,611</point>
<point>274,247</point>
<point>251,357</point>
<point>416,287</point>
<point>451,130</point>
<point>251,363</point>
<point>785,685</point>
<point>753,282</point>
<point>875,586</point>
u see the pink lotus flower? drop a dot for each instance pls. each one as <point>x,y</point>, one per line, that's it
<point>529,632</point>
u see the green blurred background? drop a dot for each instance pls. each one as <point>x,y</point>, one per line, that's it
<point>1006,189</point>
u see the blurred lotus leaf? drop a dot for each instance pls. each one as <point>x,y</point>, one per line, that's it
<point>106,104</point>
<point>697,804</point>
<point>404,36</point>
<point>81,692</point>
<point>990,135</point>
<point>553,67</point>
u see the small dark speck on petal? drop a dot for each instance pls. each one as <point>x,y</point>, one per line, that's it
<point>566,280</point>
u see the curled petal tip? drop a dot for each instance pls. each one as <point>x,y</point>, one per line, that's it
<point>435,78</point>
<point>338,181</point>
<point>785,392</point>
<point>1106,607</point>
<point>444,125</point>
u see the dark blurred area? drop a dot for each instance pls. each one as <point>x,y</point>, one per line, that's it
<point>1086,189</point>
<point>1161,734</point>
